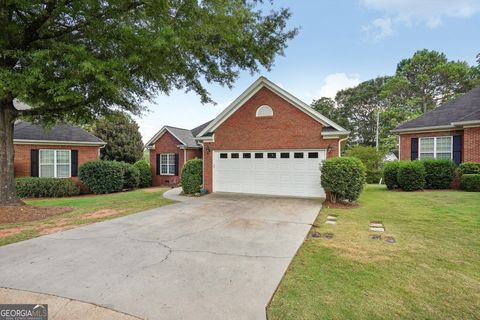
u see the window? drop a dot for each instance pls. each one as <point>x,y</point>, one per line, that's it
<point>258,155</point>
<point>285,155</point>
<point>264,111</point>
<point>313,155</point>
<point>271,155</point>
<point>234,155</point>
<point>435,148</point>
<point>167,164</point>
<point>223,155</point>
<point>54,163</point>
<point>247,155</point>
<point>298,155</point>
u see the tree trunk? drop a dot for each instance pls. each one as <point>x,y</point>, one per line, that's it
<point>8,194</point>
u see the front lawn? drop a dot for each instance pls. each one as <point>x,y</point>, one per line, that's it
<point>85,210</point>
<point>431,272</point>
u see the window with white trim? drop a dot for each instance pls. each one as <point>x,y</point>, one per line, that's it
<point>54,163</point>
<point>264,111</point>
<point>436,147</point>
<point>167,164</point>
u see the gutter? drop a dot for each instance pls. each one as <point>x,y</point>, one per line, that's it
<point>340,146</point>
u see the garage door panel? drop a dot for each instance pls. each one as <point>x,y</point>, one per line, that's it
<point>274,176</point>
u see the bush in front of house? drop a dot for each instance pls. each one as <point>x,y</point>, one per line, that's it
<point>371,158</point>
<point>145,173</point>
<point>469,168</point>
<point>390,174</point>
<point>131,176</point>
<point>102,176</point>
<point>343,178</point>
<point>470,182</point>
<point>192,176</point>
<point>411,175</point>
<point>439,174</point>
<point>34,187</point>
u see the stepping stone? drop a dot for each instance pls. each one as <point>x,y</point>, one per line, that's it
<point>330,222</point>
<point>328,235</point>
<point>377,225</point>
<point>390,240</point>
<point>378,229</point>
<point>316,235</point>
<point>375,236</point>
<point>331,218</point>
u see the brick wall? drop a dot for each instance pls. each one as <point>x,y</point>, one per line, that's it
<point>23,155</point>
<point>405,141</point>
<point>471,144</point>
<point>289,128</point>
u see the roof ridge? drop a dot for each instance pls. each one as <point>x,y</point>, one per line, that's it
<point>178,128</point>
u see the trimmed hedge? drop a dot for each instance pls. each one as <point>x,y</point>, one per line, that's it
<point>390,174</point>
<point>33,187</point>
<point>145,173</point>
<point>192,173</point>
<point>102,176</point>
<point>470,182</point>
<point>469,168</point>
<point>439,174</point>
<point>131,176</point>
<point>411,175</point>
<point>343,177</point>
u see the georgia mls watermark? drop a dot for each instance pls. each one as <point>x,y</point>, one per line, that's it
<point>23,312</point>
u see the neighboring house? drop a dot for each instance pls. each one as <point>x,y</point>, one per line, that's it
<point>266,142</point>
<point>451,131</point>
<point>55,152</point>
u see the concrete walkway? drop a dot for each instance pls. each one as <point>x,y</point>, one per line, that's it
<point>219,256</point>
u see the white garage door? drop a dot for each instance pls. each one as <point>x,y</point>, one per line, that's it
<point>272,172</point>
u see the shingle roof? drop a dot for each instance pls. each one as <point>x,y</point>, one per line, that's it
<point>60,132</point>
<point>463,108</point>
<point>197,130</point>
<point>184,135</point>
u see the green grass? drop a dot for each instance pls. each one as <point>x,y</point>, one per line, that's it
<point>432,272</point>
<point>122,203</point>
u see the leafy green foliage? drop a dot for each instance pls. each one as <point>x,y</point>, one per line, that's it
<point>470,182</point>
<point>371,158</point>
<point>131,176</point>
<point>439,174</point>
<point>390,174</point>
<point>411,175</point>
<point>145,173</point>
<point>120,132</point>
<point>34,187</point>
<point>469,168</point>
<point>328,107</point>
<point>101,176</point>
<point>192,175</point>
<point>343,178</point>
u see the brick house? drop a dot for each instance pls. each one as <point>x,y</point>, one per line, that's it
<point>451,131</point>
<point>266,142</point>
<point>57,152</point>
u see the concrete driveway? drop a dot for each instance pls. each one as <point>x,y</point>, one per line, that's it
<point>216,257</point>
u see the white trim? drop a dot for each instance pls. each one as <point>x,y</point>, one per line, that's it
<point>252,90</point>
<point>423,129</point>
<point>264,108</point>
<point>340,146</point>
<point>55,174</point>
<point>58,142</point>
<point>168,154</point>
<point>159,134</point>
<point>434,146</point>
<point>466,123</point>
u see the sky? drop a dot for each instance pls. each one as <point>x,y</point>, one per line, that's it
<point>340,44</point>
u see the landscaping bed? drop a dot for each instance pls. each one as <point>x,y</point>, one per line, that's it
<point>14,214</point>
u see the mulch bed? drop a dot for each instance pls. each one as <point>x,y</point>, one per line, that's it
<point>14,214</point>
<point>339,205</point>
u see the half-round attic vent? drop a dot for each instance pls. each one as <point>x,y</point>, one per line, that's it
<point>264,111</point>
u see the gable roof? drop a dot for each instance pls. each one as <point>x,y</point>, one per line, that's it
<point>62,133</point>
<point>260,83</point>
<point>461,111</point>
<point>184,136</point>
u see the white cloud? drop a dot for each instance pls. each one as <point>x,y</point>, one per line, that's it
<point>147,131</point>
<point>335,82</point>
<point>415,12</point>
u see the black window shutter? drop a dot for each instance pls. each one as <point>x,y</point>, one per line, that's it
<point>457,149</point>
<point>74,163</point>
<point>176,164</point>
<point>414,149</point>
<point>158,165</point>
<point>34,162</point>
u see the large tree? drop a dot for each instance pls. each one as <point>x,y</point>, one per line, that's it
<point>74,60</point>
<point>120,132</point>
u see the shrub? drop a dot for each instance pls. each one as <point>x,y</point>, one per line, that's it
<point>371,158</point>
<point>102,176</point>
<point>439,174</point>
<point>343,178</point>
<point>131,176</point>
<point>192,176</point>
<point>33,187</point>
<point>470,182</point>
<point>145,173</point>
<point>469,168</point>
<point>411,175</point>
<point>390,173</point>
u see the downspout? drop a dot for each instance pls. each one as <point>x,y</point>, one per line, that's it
<point>101,147</point>
<point>340,146</point>
<point>203,164</point>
